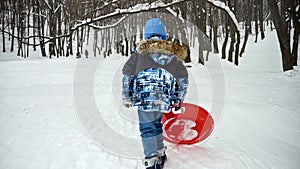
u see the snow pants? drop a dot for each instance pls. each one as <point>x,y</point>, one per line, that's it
<point>151,132</point>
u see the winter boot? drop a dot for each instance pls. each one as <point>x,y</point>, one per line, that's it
<point>152,162</point>
<point>162,156</point>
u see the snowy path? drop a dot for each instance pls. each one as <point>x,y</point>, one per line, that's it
<point>39,126</point>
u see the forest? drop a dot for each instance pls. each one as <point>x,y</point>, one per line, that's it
<point>61,28</point>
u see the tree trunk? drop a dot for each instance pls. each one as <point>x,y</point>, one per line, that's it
<point>238,36</point>
<point>70,41</point>
<point>52,27</point>
<point>261,19</point>
<point>200,49</point>
<point>59,32</point>
<point>41,27</point>
<point>13,26</point>
<point>34,23</point>
<point>3,26</point>
<point>215,30</point>
<point>28,29</point>
<point>81,38</point>
<point>296,24</point>
<point>282,29</point>
<point>21,20</point>
<point>247,26</point>
<point>232,42</point>
<point>200,18</point>
<point>95,42</point>
<point>296,44</point>
<point>256,19</point>
<point>226,38</point>
<point>78,41</point>
<point>237,47</point>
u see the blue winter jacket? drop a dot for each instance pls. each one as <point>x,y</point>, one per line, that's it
<point>152,81</point>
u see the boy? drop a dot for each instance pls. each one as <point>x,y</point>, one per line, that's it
<point>154,78</point>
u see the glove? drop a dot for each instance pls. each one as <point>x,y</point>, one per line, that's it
<point>127,104</point>
<point>177,109</point>
<point>177,105</point>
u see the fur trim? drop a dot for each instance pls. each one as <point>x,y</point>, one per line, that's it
<point>162,46</point>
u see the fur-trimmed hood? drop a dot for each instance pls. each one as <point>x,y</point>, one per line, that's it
<point>162,46</point>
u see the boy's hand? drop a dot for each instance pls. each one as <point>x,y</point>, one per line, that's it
<point>177,105</point>
<point>127,104</point>
<point>177,109</point>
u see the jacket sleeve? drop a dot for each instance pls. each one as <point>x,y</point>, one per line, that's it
<point>181,83</point>
<point>128,71</point>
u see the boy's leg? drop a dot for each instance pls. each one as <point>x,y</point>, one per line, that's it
<point>148,122</point>
<point>159,132</point>
<point>152,138</point>
<point>159,141</point>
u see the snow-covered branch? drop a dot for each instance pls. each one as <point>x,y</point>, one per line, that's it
<point>132,10</point>
<point>57,9</point>
<point>47,3</point>
<point>153,6</point>
<point>109,26</point>
<point>171,11</point>
<point>224,7</point>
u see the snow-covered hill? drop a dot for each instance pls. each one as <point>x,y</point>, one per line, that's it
<point>65,113</point>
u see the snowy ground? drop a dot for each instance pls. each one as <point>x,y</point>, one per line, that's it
<point>46,120</point>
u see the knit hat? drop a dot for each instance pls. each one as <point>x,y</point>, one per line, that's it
<point>155,29</point>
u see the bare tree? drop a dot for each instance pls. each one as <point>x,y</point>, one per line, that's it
<point>283,36</point>
<point>261,18</point>
<point>247,19</point>
<point>3,13</point>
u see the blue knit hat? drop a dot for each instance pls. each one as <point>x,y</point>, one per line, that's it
<point>155,28</point>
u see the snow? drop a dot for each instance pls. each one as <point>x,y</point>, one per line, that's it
<point>66,113</point>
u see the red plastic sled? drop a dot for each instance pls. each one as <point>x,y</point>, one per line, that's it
<point>193,126</point>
